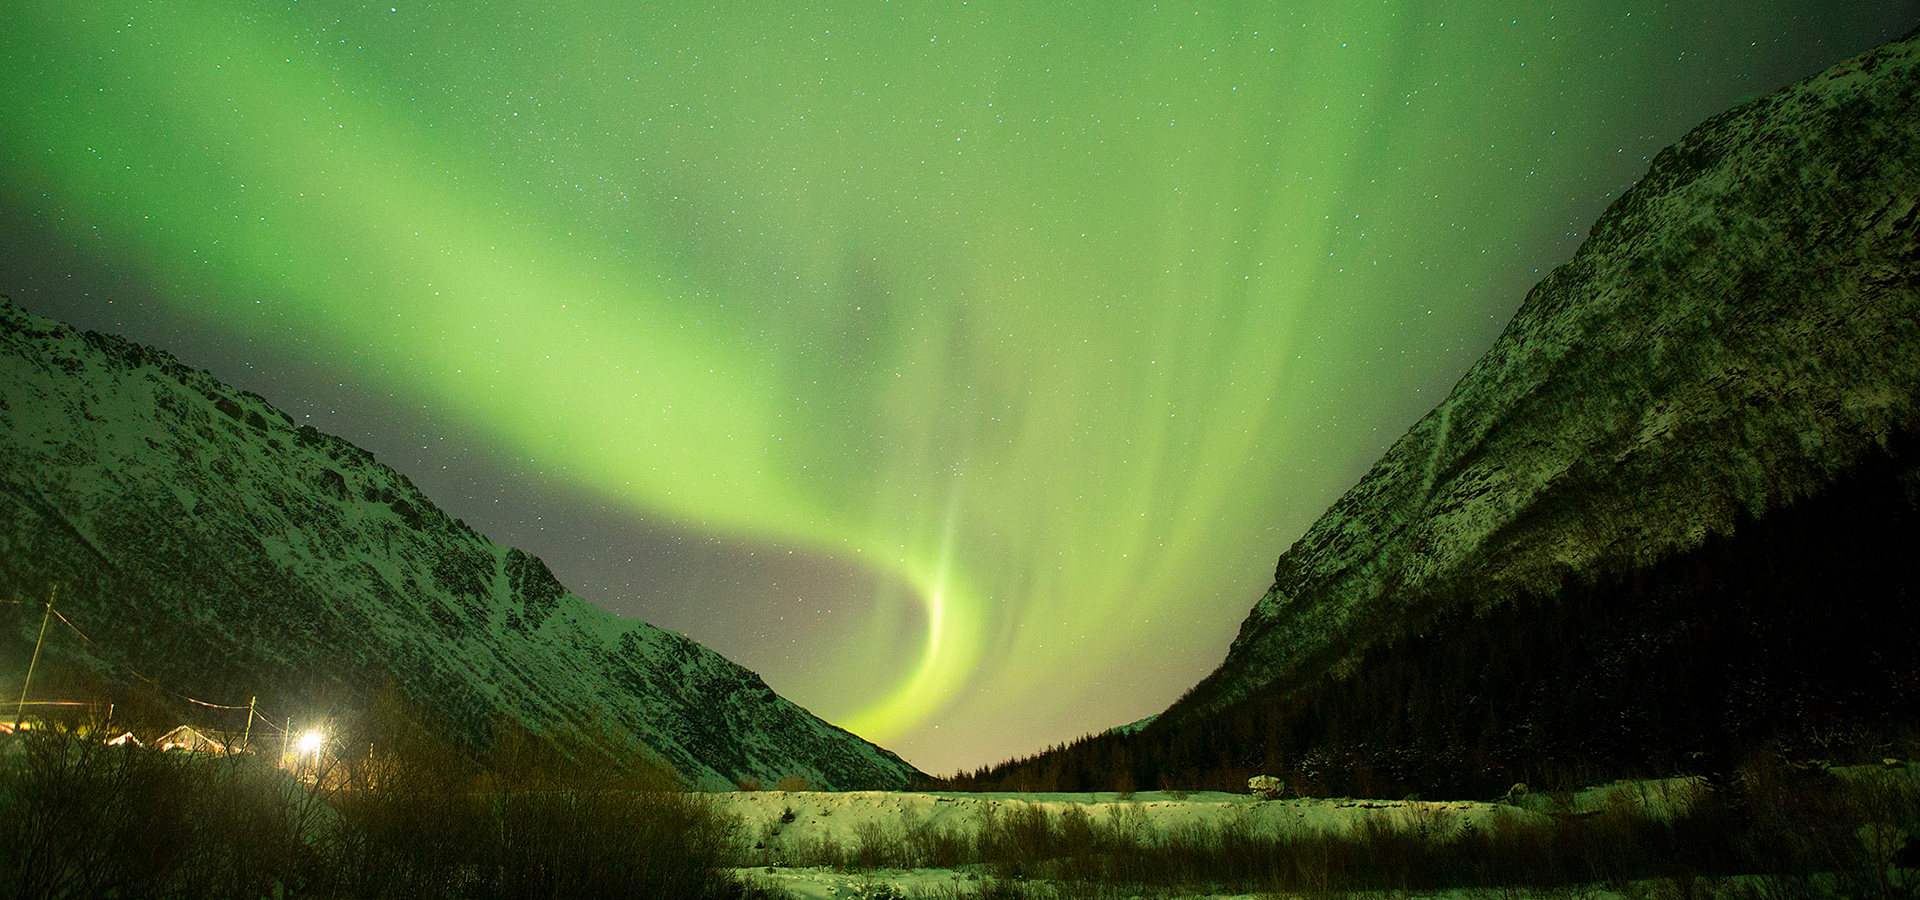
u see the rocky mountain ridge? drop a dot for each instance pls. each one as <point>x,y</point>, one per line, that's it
<point>1666,524</point>
<point>205,538</point>
<point>1739,328</point>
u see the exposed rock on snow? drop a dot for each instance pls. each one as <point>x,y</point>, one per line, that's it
<point>200,537</point>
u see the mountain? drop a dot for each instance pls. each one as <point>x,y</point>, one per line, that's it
<point>1669,518</point>
<point>1738,330</point>
<point>203,540</point>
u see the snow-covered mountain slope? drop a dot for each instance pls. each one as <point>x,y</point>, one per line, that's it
<point>1739,329</point>
<point>204,540</point>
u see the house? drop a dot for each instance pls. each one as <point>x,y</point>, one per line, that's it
<point>187,739</point>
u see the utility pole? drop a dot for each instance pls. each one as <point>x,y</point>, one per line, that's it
<point>246,737</point>
<point>20,711</point>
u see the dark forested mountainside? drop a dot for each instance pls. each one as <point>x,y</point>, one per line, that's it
<point>1794,632</point>
<point>1665,520</point>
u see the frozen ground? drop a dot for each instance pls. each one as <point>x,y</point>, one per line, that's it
<point>787,833</point>
<point>841,817</point>
<point>909,884</point>
<point>942,884</point>
<point>786,830</point>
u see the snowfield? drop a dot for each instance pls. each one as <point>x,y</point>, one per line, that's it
<point>843,818</point>
<point>822,845</point>
<point>784,832</point>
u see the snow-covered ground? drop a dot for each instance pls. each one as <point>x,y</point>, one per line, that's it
<point>940,884</point>
<point>787,830</point>
<point>787,835</point>
<point>843,817</point>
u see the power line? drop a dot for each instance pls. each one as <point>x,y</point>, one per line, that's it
<point>252,712</point>
<point>20,711</point>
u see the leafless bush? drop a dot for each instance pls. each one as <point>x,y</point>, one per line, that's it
<point>792,783</point>
<point>84,819</point>
<point>79,819</point>
<point>1769,833</point>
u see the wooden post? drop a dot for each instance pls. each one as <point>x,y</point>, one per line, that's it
<point>246,736</point>
<point>20,711</point>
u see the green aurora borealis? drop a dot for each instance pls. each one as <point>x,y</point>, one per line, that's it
<point>1048,326</point>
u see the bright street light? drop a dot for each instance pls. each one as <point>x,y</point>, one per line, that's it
<point>311,742</point>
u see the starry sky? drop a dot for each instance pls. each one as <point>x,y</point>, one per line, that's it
<point>961,367</point>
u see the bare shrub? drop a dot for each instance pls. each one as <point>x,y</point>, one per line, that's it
<point>942,846</point>
<point>1772,834</point>
<point>875,845</point>
<point>79,819</point>
<point>530,825</point>
<point>84,819</point>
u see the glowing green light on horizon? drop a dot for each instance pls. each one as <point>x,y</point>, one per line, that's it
<point>441,291</point>
<point>1066,319</point>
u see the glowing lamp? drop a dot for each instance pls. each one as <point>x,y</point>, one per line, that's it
<point>311,742</point>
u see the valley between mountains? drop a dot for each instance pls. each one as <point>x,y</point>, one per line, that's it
<point>1631,613</point>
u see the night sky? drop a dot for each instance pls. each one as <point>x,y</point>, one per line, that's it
<point>960,367</point>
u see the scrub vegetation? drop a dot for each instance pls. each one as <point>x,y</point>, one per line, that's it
<point>81,819</point>
<point>1771,830</point>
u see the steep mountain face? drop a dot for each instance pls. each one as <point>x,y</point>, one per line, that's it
<point>1667,522</point>
<point>201,539</point>
<point>1739,330</point>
